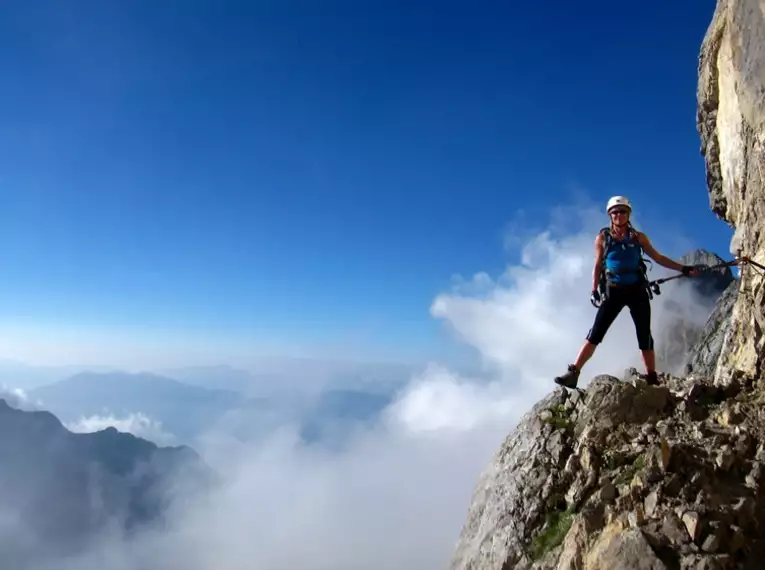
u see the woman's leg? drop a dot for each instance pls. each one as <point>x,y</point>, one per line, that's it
<point>640,310</point>
<point>607,313</point>
<point>585,353</point>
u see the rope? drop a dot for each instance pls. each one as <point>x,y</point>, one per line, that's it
<point>739,260</point>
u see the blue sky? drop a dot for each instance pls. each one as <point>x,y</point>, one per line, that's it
<point>311,172</point>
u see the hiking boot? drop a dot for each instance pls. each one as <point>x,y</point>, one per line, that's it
<point>569,379</point>
<point>652,379</point>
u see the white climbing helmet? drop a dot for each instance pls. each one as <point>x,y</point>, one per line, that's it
<point>618,201</point>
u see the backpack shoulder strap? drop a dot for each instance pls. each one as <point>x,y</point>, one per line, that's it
<point>606,233</point>
<point>635,235</point>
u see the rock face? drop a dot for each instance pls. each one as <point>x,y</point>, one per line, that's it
<point>706,351</point>
<point>677,340</point>
<point>625,476</point>
<point>59,490</point>
<point>731,123</point>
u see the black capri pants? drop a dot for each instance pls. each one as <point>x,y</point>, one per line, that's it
<point>636,298</point>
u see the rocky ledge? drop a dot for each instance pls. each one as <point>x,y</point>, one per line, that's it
<point>626,476</point>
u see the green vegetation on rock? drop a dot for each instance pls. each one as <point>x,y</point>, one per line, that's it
<point>559,418</point>
<point>556,528</point>
<point>627,475</point>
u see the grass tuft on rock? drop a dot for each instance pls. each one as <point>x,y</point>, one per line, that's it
<point>554,531</point>
<point>627,475</point>
<point>559,418</point>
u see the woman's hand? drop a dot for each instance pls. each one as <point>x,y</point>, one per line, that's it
<point>694,270</point>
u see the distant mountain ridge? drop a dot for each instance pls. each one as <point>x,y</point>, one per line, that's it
<point>188,411</point>
<point>185,410</point>
<point>284,376</point>
<point>62,489</point>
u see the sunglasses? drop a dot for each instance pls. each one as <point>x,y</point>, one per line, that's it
<point>617,212</point>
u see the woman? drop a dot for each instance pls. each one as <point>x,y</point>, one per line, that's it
<point>626,287</point>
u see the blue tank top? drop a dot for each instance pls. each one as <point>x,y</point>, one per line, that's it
<point>622,260</point>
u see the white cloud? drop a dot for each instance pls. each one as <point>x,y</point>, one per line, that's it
<point>18,398</point>
<point>139,424</point>
<point>440,401</point>
<point>397,494</point>
<point>529,323</point>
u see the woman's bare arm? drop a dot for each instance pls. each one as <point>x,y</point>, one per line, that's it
<point>656,256</point>
<point>598,262</point>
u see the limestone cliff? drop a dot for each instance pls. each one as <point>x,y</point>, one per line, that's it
<point>731,123</point>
